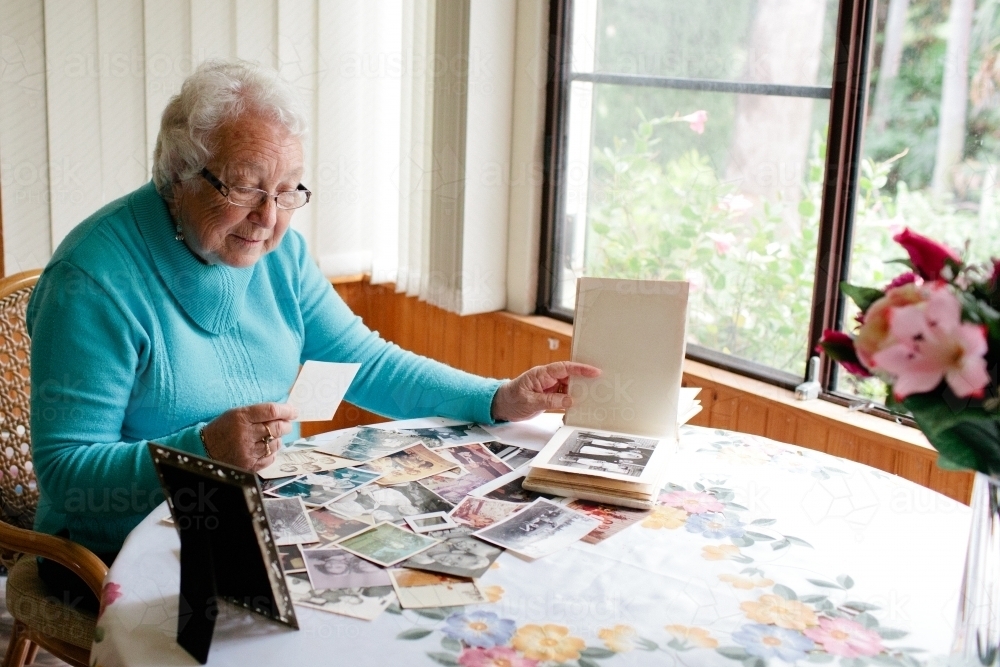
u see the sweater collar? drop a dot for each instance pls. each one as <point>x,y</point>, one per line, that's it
<point>211,294</point>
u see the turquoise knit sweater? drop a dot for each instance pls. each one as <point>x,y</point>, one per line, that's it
<point>133,339</point>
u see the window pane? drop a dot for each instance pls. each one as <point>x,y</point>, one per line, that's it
<point>931,141</point>
<point>735,40</point>
<point>716,188</point>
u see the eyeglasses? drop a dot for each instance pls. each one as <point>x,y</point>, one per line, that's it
<point>253,197</point>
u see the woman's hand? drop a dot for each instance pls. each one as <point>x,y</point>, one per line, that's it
<point>248,437</point>
<point>537,390</point>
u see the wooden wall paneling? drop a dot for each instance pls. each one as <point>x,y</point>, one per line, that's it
<point>485,352</point>
<point>707,398</point>
<point>435,333</point>
<point>522,349</point>
<point>957,485</point>
<point>811,433</point>
<point>403,331</point>
<point>781,424</point>
<point>843,444</point>
<point>915,468</point>
<point>752,416</point>
<point>540,352</point>
<point>877,455</point>
<point>468,360</point>
<point>503,348</point>
<point>451,338</point>
<point>725,409</point>
<point>421,326</point>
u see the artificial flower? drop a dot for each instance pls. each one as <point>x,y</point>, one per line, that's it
<point>928,257</point>
<point>665,517</point>
<point>715,526</point>
<point>776,610</point>
<point>696,121</point>
<point>768,641</point>
<point>745,583</point>
<point>846,638</point>
<point>904,279</point>
<point>692,502</point>
<point>482,629</point>
<point>498,656</point>
<point>873,335</point>
<point>840,347</point>
<point>548,642</point>
<point>932,343</point>
<point>697,636</point>
<point>720,551</point>
<point>620,639</point>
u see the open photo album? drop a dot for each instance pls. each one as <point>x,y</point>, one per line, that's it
<point>618,436</point>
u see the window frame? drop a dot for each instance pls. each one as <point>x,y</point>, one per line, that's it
<point>847,97</point>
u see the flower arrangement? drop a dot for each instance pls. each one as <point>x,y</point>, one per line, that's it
<point>933,336</point>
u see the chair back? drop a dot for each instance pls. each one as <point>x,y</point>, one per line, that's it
<point>18,486</point>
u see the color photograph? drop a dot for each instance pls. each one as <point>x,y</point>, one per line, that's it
<point>459,554</point>
<point>386,544</point>
<point>318,489</point>
<point>408,465</point>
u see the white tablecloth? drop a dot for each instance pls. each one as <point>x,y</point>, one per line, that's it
<point>762,550</point>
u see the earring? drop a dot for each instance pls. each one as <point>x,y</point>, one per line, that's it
<point>179,235</point>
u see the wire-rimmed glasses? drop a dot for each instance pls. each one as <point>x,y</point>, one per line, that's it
<point>254,197</point>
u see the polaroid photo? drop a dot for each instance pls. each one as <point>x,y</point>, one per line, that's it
<point>363,603</point>
<point>336,568</point>
<point>331,528</point>
<point>540,529</point>
<point>613,519</point>
<point>409,465</point>
<point>513,456</point>
<point>386,544</point>
<point>364,444</point>
<point>420,590</point>
<point>509,489</point>
<point>375,504</point>
<point>296,460</point>
<point>459,554</point>
<point>482,512</point>
<point>448,436</point>
<point>428,523</point>
<point>603,454</point>
<point>289,521</point>
<point>479,466</point>
<point>291,559</point>
<point>320,488</point>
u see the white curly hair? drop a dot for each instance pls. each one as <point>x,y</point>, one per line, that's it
<point>217,92</point>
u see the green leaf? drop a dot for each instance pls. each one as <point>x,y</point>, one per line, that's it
<point>446,659</point>
<point>587,662</point>
<point>806,208</point>
<point>785,592</point>
<point>596,652</point>
<point>434,613</point>
<point>646,644</point>
<point>600,228</point>
<point>780,544</point>
<point>813,599</point>
<point>891,633</point>
<point>824,584</point>
<point>860,606</point>
<point>394,608</point>
<point>733,652</point>
<point>758,536</point>
<point>818,656</point>
<point>742,541</point>
<point>754,661</point>
<point>798,541</point>
<point>413,633</point>
<point>845,581</point>
<point>864,297</point>
<point>763,522</point>
<point>451,644</point>
<point>867,620</point>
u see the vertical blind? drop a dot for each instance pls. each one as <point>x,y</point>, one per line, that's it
<point>83,84</point>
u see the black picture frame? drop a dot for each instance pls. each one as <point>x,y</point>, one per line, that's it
<point>227,547</point>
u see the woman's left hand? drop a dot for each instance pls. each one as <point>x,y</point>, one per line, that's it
<point>537,390</point>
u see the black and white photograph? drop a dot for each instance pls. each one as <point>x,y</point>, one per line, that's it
<point>364,444</point>
<point>514,457</point>
<point>301,460</point>
<point>364,603</point>
<point>460,555</point>
<point>291,558</point>
<point>599,453</point>
<point>336,568</point>
<point>478,466</point>
<point>449,436</point>
<point>320,488</point>
<point>331,528</point>
<point>540,529</point>
<point>289,521</point>
<point>508,488</point>
<point>374,503</point>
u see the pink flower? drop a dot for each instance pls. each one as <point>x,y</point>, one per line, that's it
<point>723,242</point>
<point>931,343</point>
<point>904,279</point>
<point>928,257</point>
<point>735,204</point>
<point>498,656</point>
<point>692,502</point>
<point>109,594</point>
<point>844,637</point>
<point>696,121</point>
<point>840,347</point>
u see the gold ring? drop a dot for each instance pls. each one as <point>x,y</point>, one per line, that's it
<point>268,438</point>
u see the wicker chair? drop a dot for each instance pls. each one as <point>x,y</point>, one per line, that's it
<point>39,620</point>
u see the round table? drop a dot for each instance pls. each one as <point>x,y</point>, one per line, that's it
<point>760,553</point>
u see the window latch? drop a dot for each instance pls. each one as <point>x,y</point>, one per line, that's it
<point>811,388</point>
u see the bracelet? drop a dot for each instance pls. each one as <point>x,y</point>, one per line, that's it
<point>204,442</point>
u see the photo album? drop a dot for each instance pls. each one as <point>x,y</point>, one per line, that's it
<point>617,437</point>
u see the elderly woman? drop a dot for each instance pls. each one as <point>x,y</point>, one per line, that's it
<point>181,312</point>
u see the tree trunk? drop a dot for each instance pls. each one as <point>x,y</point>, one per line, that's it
<point>771,134</point>
<point>892,55</point>
<point>954,95</point>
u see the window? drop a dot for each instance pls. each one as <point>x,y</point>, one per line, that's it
<point>720,142</point>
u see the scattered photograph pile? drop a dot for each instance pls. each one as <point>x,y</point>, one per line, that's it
<point>414,515</point>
